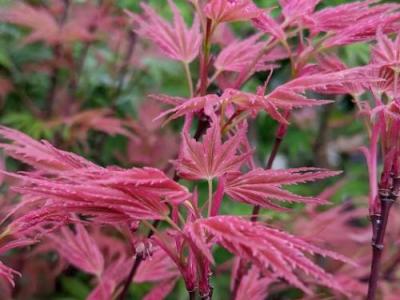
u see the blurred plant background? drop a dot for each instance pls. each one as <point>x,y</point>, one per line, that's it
<point>86,89</point>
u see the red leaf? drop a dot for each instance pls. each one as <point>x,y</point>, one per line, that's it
<point>266,247</point>
<point>212,157</point>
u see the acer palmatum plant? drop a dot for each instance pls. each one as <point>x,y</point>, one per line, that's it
<point>153,223</point>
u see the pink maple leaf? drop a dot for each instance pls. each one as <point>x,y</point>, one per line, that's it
<point>41,155</point>
<point>111,278</point>
<point>69,181</point>
<point>182,106</point>
<point>238,55</point>
<point>267,24</point>
<point>43,25</point>
<point>156,268</point>
<point>339,17</point>
<point>386,51</point>
<point>259,186</point>
<point>231,10</point>
<point>266,247</point>
<point>212,157</point>
<point>291,94</point>
<point>79,249</point>
<point>254,285</point>
<point>161,290</point>
<point>294,10</point>
<point>175,40</point>
<point>364,29</point>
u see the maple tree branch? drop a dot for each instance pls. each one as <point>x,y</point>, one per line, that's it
<point>57,50</point>
<point>132,37</point>
<point>205,60</point>
<point>379,224</point>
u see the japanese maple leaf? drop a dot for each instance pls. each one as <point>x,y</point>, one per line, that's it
<point>94,119</point>
<point>44,26</point>
<point>259,186</point>
<point>175,40</point>
<point>231,10</point>
<point>106,195</point>
<point>239,54</point>
<point>111,278</point>
<point>69,181</point>
<point>291,94</point>
<point>159,267</point>
<point>329,63</point>
<point>286,96</point>
<point>79,249</point>
<point>339,17</point>
<point>254,285</point>
<point>296,9</point>
<point>266,247</point>
<point>386,54</point>
<point>41,155</point>
<point>267,24</point>
<point>183,106</point>
<point>161,290</point>
<point>364,29</point>
<point>211,157</point>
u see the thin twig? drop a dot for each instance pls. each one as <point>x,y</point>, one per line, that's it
<point>132,36</point>
<point>57,51</point>
<point>138,260</point>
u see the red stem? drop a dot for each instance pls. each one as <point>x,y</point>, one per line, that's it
<point>205,59</point>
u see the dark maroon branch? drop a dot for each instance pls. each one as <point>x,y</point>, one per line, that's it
<point>57,52</point>
<point>379,223</point>
<point>132,38</point>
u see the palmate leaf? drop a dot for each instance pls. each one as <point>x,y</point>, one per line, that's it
<point>229,11</point>
<point>341,16</point>
<point>297,9</point>
<point>111,278</point>
<point>211,157</point>
<point>176,41</point>
<point>259,186</point>
<point>386,52</point>
<point>365,29</point>
<point>44,26</point>
<point>266,247</point>
<point>254,285</point>
<point>95,199</point>
<point>183,107</point>
<point>238,55</point>
<point>287,96</point>
<point>157,268</point>
<point>79,249</point>
<point>41,155</point>
<point>69,181</point>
